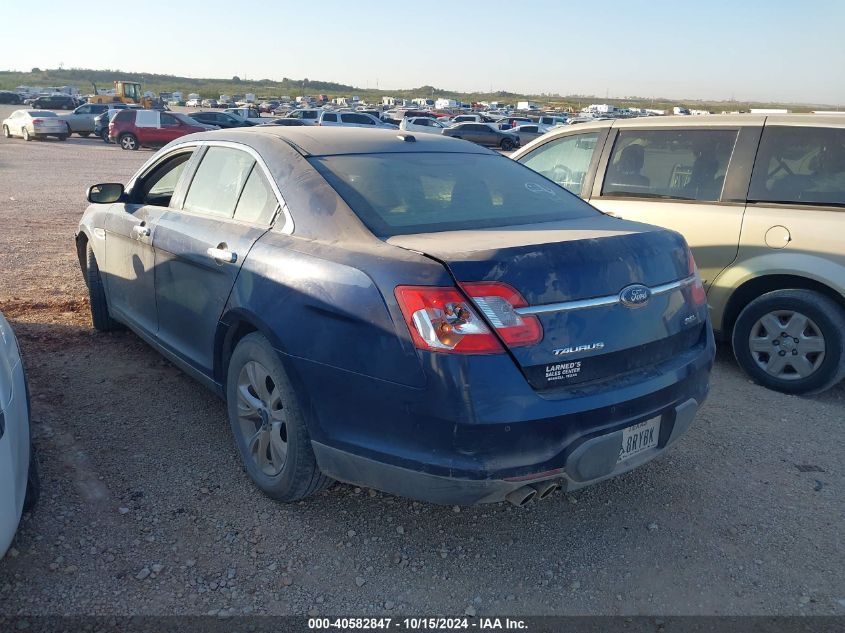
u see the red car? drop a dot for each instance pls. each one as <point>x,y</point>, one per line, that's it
<point>132,129</point>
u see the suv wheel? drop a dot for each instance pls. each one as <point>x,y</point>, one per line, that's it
<point>268,424</point>
<point>128,141</point>
<point>792,341</point>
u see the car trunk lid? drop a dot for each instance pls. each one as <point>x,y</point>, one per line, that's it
<point>572,275</point>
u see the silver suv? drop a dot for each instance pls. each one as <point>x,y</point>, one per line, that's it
<point>761,201</point>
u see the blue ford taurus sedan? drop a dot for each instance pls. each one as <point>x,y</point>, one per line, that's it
<point>416,314</point>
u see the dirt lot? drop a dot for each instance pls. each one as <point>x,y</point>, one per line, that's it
<point>145,509</point>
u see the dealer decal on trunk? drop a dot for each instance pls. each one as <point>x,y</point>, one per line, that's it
<point>562,371</point>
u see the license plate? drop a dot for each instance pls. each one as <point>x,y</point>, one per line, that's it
<point>639,438</point>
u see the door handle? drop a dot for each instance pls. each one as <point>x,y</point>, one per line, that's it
<point>141,231</point>
<point>222,255</point>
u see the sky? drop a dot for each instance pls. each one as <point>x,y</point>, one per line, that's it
<point>748,50</point>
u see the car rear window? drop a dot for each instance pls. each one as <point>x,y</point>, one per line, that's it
<point>405,193</point>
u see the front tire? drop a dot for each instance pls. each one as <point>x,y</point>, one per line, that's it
<point>792,341</point>
<point>128,142</point>
<point>100,317</point>
<point>6,132</point>
<point>33,483</point>
<point>268,424</point>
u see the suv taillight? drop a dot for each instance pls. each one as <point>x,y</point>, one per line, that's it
<point>442,319</point>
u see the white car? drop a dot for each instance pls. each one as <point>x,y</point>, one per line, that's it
<point>421,124</point>
<point>309,116</point>
<point>193,103</point>
<point>30,124</point>
<point>528,132</point>
<point>351,119</point>
<point>19,484</point>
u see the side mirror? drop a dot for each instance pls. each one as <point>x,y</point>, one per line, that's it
<point>105,193</point>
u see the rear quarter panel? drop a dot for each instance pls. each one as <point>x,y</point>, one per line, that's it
<point>815,250</point>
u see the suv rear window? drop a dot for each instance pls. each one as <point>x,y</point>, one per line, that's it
<point>405,193</point>
<point>800,165</point>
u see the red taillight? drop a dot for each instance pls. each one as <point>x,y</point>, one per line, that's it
<point>497,301</point>
<point>37,121</point>
<point>699,296</point>
<point>441,319</point>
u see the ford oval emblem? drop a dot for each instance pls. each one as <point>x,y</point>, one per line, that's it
<point>635,296</point>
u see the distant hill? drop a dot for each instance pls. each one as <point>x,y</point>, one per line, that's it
<point>84,79</point>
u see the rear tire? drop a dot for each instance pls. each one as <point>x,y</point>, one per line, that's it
<point>100,317</point>
<point>792,341</point>
<point>84,134</point>
<point>26,135</point>
<point>128,142</point>
<point>268,424</point>
<point>507,144</point>
<point>63,137</point>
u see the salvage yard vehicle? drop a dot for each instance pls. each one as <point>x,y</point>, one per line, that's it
<point>19,483</point>
<point>351,119</point>
<point>528,133</point>
<point>760,199</point>
<point>422,124</point>
<point>81,120</point>
<point>30,124</point>
<point>415,314</point>
<point>7,96</point>
<point>53,102</point>
<point>133,129</point>
<point>247,113</point>
<point>483,134</point>
<point>220,119</point>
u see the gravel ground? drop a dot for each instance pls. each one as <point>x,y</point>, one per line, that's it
<point>145,509</point>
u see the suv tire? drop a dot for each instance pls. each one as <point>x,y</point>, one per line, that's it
<point>268,423</point>
<point>100,317</point>
<point>128,141</point>
<point>804,327</point>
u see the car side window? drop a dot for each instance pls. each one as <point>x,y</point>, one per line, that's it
<point>309,115</point>
<point>86,109</point>
<point>332,118</point>
<point>680,164</point>
<point>565,160</point>
<point>258,202</point>
<point>158,186</point>
<point>168,120</point>
<point>217,185</point>
<point>800,165</point>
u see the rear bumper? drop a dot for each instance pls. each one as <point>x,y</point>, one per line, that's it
<point>594,460</point>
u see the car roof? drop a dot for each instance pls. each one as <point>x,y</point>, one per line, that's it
<point>334,140</point>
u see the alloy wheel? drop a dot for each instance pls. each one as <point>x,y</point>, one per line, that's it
<point>787,345</point>
<point>262,418</point>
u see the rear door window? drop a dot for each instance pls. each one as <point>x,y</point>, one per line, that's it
<point>800,165</point>
<point>565,160</point>
<point>330,118</point>
<point>218,183</point>
<point>258,202</point>
<point>675,164</point>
